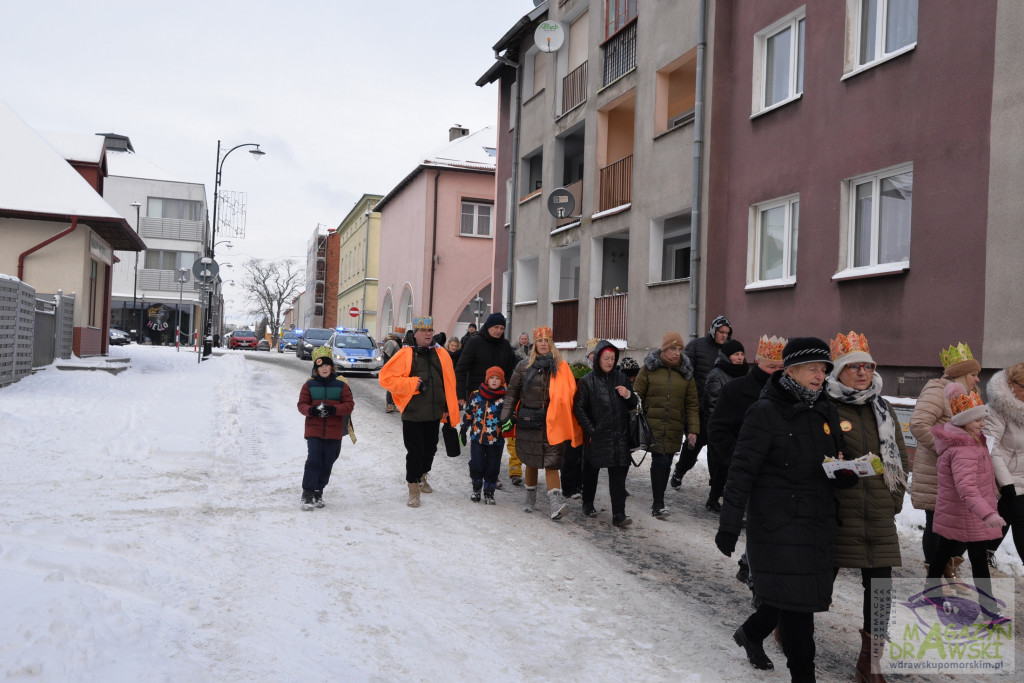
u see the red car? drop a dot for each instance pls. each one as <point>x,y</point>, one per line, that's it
<point>242,339</point>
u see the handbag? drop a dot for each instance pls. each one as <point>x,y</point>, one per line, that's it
<point>530,418</point>
<point>451,440</point>
<point>640,434</point>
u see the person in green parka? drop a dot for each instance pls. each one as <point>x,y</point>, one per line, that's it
<point>867,538</point>
<point>666,386</point>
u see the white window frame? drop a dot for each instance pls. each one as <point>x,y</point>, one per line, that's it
<point>852,65</point>
<point>476,219</point>
<point>792,22</point>
<point>848,269</point>
<point>791,235</point>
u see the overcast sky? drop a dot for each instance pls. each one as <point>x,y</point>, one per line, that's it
<point>344,97</point>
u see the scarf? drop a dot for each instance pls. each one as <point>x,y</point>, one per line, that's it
<point>490,394</point>
<point>732,369</point>
<point>895,477</point>
<point>799,391</point>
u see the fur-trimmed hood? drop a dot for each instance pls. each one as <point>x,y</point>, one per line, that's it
<point>1002,401</point>
<point>653,361</point>
<point>948,435</point>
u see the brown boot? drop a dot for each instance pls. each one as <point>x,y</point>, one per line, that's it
<point>424,486</point>
<point>953,576</point>
<point>414,495</point>
<point>871,649</point>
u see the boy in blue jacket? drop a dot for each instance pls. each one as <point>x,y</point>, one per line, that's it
<point>480,419</point>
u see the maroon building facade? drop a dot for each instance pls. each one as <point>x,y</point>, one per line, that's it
<point>904,137</point>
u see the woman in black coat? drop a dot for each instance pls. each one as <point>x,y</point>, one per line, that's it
<point>485,349</point>
<point>602,404</point>
<point>776,477</point>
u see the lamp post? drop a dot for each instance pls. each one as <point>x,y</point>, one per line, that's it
<point>256,153</point>
<point>135,287</point>
<point>182,276</point>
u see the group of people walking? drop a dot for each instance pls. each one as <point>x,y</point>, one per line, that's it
<point>770,429</point>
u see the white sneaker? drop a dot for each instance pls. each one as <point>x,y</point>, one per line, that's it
<point>558,505</point>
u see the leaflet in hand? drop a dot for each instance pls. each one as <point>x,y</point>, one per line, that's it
<point>867,465</point>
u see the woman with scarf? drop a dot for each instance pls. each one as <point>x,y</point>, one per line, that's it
<point>867,538</point>
<point>731,364</point>
<point>538,404</point>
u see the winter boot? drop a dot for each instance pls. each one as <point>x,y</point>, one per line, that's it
<point>954,577</point>
<point>390,408</point>
<point>424,486</point>
<point>713,505</point>
<point>318,498</point>
<point>558,505</point>
<point>489,494</point>
<point>307,499</point>
<point>589,510</point>
<point>477,485</point>
<point>871,650</point>
<point>531,499</point>
<point>414,495</point>
<point>621,520</point>
<point>755,651</point>
<point>517,481</point>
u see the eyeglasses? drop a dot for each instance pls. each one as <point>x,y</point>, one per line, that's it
<point>861,367</point>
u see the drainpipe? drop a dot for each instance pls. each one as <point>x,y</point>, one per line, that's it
<point>366,266</point>
<point>515,190</point>
<point>433,247</point>
<point>698,160</point>
<point>62,233</point>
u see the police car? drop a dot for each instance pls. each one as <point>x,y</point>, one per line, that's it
<point>354,350</point>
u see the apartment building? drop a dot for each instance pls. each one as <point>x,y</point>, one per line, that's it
<point>358,244</point>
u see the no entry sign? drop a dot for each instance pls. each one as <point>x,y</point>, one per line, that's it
<point>354,312</point>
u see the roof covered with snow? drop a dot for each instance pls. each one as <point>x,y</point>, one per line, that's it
<point>76,146</point>
<point>129,165</point>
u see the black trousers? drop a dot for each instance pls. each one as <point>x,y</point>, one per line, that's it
<point>616,486</point>
<point>1016,522</point>
<point>572,470</point>
<point>718,472</point>
<point>882,597</point>
<point>420,447</point>
<point>321,454</point>
<point>796,631</point>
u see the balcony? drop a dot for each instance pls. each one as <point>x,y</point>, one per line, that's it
<point>152,279</point>
<point>610,316</point>
<point>576,190</point>
<point>171,229</point>
<point>574,88</point>
<point>564,320</point>
<point>620,54</point>
<point>616,184</point>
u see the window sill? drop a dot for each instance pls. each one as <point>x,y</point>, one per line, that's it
<point>777,105</point>
<point>612,211</point>
<point>669,131</point>
<point>478,237</point>
<point>771,284</point>
<point>525,303</point>
<point>872,271</point>
<point>533,195</point>
<point>663,283</point>
<point>565,113</point>
<point>611,83</point>
<point>563,228</point>
<point>881,60</point>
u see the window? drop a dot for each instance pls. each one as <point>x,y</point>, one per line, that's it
<point>476,220</point>
<point>880,29</point>
<point>157,259</point>
<point>675,93</point>
<point>94,302</point>
<point>779,62</point>
<point>879,219</point>
<point>774,239</point>
<point>618,13</point>
<point>531,173</point>
<point>527,272</point>
<point>670,248</point>
<point>182,209</point>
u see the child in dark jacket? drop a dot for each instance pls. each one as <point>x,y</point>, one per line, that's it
<point>326,401</point>
<point>480,419</point>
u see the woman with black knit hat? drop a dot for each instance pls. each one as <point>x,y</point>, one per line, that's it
<point>731,364</point>
<point>776,478</point>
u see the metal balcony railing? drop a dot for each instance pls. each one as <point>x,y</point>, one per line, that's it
<point>610,316</point>
<point>162,280</point>
<point>616,184</point>
<point>574,88</point>
<point>620,54</point>
<point>565,317</point>
<point>171,229</point>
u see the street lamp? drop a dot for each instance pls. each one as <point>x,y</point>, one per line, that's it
<point>182,277</point>
<point>256,154</point>
<point>135,287</point>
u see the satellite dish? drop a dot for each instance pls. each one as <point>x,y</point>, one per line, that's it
<point>549,36</point>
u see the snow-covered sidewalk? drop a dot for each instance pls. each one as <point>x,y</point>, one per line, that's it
<point>152,532</point>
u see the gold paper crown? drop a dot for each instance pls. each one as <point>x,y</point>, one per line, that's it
<point>542,332</point>
<point>848,343</point>
<point>956,354</point>
<point>771,349</point>
<point>962,402</point>
<point>592,344</point>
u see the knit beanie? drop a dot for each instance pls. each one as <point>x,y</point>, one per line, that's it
<point>721,321</point>
<point>802,350</point>
<point>494,319</point>
<point>965,407</point>
<point>672,340</point>
<point>494,371</point>
<point>732,346</point>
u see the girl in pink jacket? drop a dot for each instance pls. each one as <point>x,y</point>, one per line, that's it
<point>965,507</point>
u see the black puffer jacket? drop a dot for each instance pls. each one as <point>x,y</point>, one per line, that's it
<point>724,372</point>
<point>480,352</point>
<point>727,417</point>
<point>703,352</point>
<point>777,478</point>
<point>604,414</point>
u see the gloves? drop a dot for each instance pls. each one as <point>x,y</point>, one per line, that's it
<point>1006,501</point>
<point>330,410</point>
<point>508,425</point>
<point>324,410</point>
<point>846,479</point>
<point>994,521</point>
<point>462,434</point>
<point>726,542</point>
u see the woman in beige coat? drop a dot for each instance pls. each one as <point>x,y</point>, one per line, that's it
<point>1005,425</point>
<point>933,409</point>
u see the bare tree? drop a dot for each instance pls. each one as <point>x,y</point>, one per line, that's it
<point>270,284</point>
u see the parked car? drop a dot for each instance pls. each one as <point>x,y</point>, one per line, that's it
<point>354,350</point>
<point>288,341</point>
<point>309,339</point>
<point>263,345</point>
<point>242,339</point>
<point>119,337</point>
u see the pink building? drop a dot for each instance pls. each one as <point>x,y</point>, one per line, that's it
<point>437,238</point>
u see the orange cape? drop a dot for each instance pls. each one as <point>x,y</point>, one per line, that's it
<point>561,421</point>
<point>394,377</point>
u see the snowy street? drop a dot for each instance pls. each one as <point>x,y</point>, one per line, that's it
<point>152,532</point>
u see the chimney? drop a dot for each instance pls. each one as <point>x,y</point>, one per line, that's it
<point>457,131</point>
